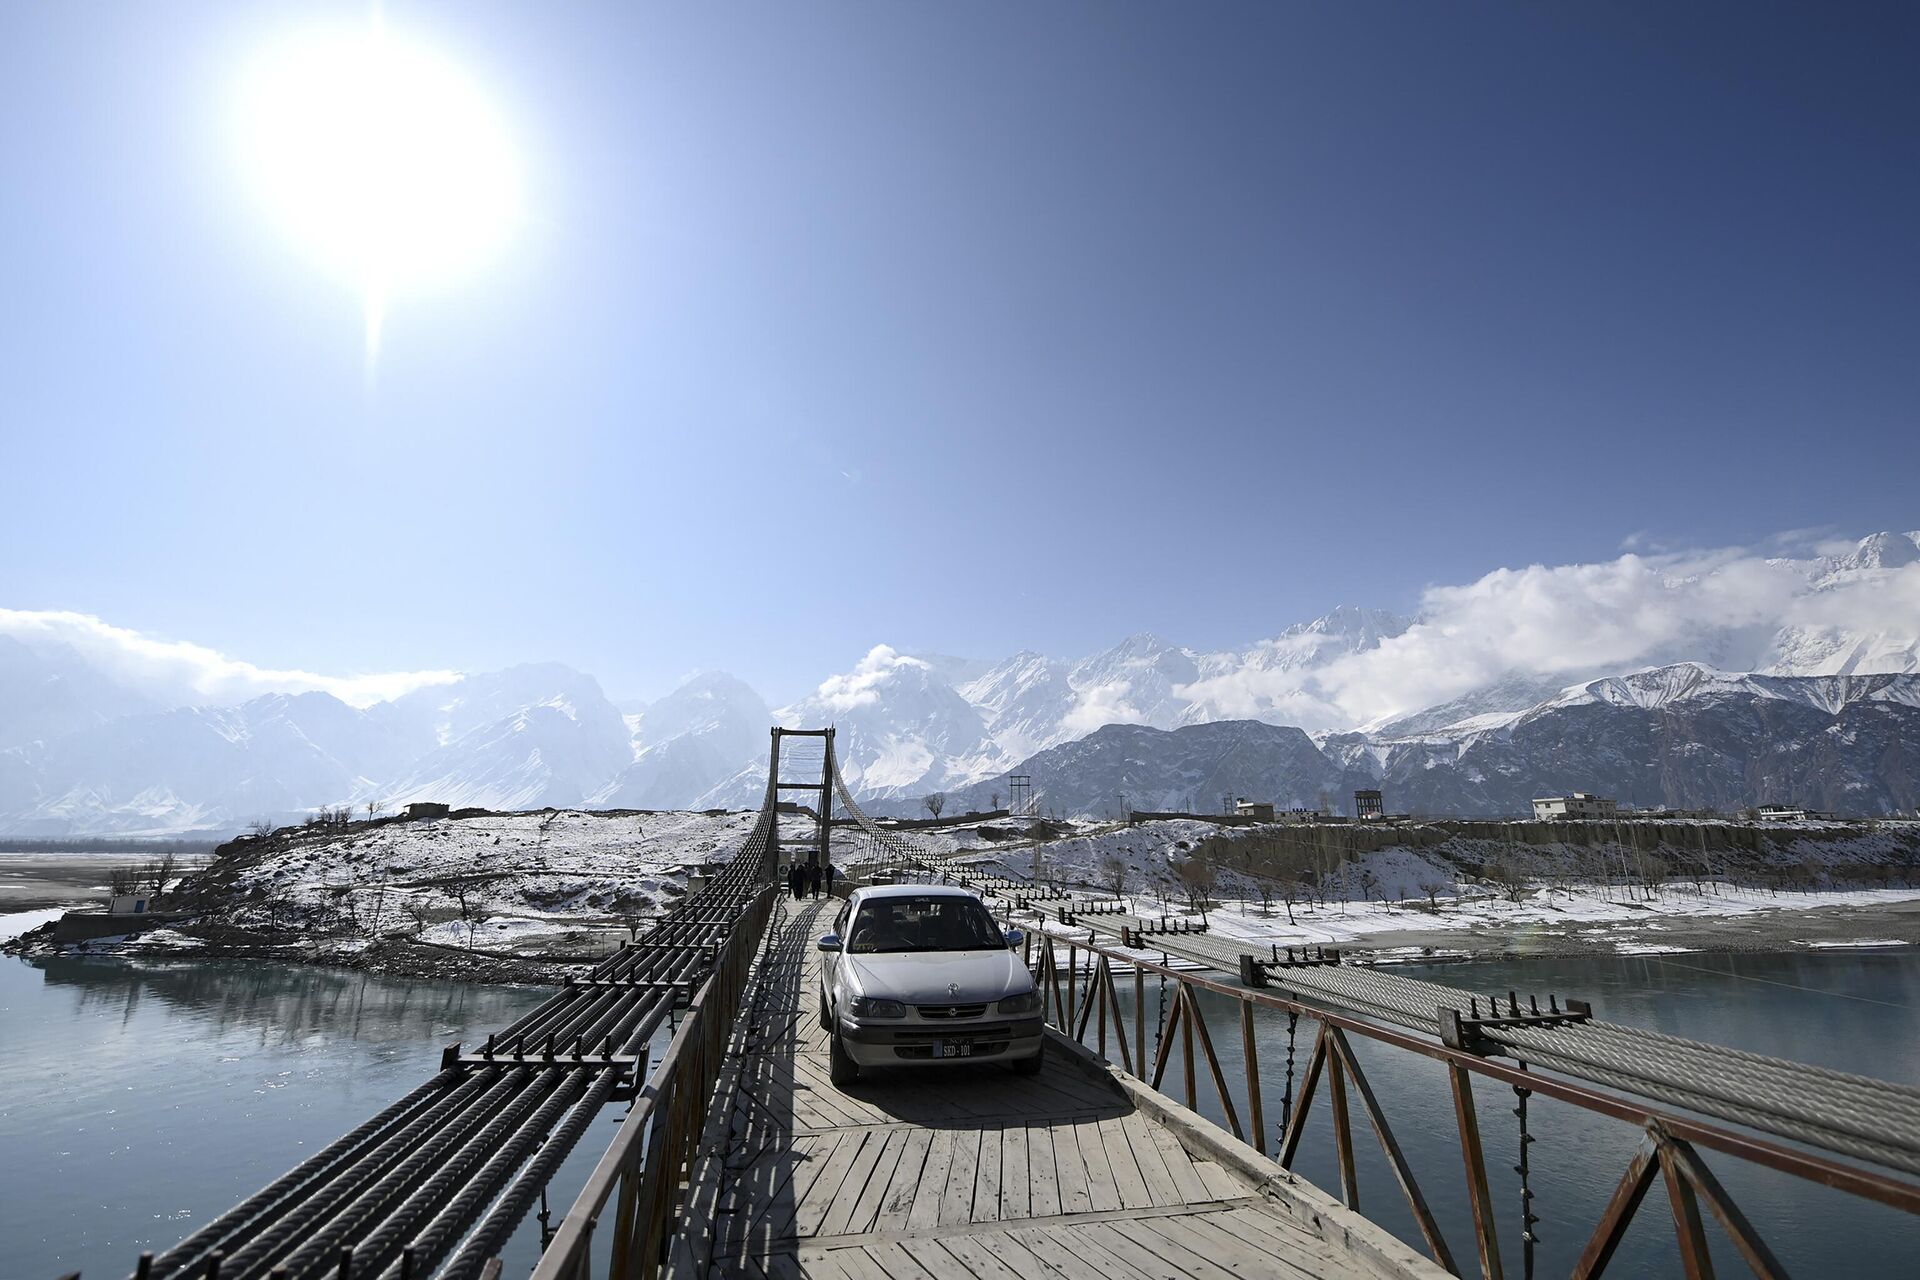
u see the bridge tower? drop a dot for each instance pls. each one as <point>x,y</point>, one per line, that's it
<point>822,792</point>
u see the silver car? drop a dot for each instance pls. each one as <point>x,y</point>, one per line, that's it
<point>921,974</point>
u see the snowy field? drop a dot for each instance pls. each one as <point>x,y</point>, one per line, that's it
<point>498,880</point>
<point>570,880</point>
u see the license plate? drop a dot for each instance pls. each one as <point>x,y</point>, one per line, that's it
<point>953,1048</point>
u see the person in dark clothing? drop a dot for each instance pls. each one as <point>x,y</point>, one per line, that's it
<point>813,879</point>
<point>796,880</point>
<point>831,873</point>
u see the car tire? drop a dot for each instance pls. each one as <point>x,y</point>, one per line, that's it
<point>826,1019</point>
<point>841,1069</point>
<point>1031,1066</point>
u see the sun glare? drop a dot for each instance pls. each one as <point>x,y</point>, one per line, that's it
<point>383,161</point>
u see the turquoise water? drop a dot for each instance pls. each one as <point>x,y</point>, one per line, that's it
<point>141,1098</point>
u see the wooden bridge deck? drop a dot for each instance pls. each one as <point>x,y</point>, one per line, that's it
<point>973,1172</point>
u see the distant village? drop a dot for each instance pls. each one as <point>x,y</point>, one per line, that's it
<point>1370,806</point>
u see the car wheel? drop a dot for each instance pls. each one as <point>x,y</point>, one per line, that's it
<point>826,1019</point>
<point>1031,1066</point>
<point>841,1069</point>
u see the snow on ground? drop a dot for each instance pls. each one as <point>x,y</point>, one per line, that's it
<point>520,874</point>
<point>1610,914</point>
<point>1854,942</point>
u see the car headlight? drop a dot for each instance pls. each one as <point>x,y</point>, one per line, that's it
<point>868,1007</point>
<point>1026,1002</point>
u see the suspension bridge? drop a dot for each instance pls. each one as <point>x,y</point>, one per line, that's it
<point>737,1156</point>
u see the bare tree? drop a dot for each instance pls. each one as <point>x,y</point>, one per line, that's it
<point>994,802</point>
<point>260,828</point>
<point>421,911</point>
<point>1113,873</point>
<point>373,807</point>
<point>122,881</point>
<point>935,803</point>
<point>1432,889</point>
<point>632,910</point>
<point>1197,879</point>
<point>1506,874</point>
<point>377,912</point>
<point>471,902</point>
<point>159,874</point>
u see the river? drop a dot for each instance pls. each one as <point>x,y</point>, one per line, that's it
<point>1853,1009</point>
<point>139,1098</point>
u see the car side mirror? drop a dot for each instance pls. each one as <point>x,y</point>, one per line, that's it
<point>1014,938</point>
<point>830,942</point>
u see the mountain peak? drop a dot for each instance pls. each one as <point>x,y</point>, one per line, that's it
<point>1883,551</point>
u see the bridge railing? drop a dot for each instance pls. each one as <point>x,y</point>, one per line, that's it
<point>646,1166</point>
<point>1081,999</point>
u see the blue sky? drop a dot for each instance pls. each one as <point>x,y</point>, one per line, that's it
<point>968,328</point>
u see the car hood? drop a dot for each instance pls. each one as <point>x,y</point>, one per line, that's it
<point>923,977</point>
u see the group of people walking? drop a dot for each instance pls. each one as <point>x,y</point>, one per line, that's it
<point>806,880</point>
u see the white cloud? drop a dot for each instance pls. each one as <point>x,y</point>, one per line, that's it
<point>1100,704</point>
<point>1573,622</point>
<point>861,686</point>
<point>179,673</point>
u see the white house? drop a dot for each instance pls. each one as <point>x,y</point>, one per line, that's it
<point>1577,805</point>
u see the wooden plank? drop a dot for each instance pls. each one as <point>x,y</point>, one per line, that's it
<point>905,1182</point>
<point>986,1182</point>
<point>956,1202</point>
<point>1180,1167</point>
<point>1161,1255</point>
<point>1015,1187</point>
<point>834,1175</point>
<point>818,1265</point>
<point>1075,1194</point>
<point>1221,1185</point>
<point>782,1266</point>
<point>1042,1172</point>
<point>1279,1236</point>
<point>1010,1252</point>
<point>767,1180</point>
<point>898,1263</point>
<point>1067,1253</point>
<point>1101,1184</point>
<point>1211,1237</point>
<point>968,1255</point>
<point>859,1215</point>
<point>780,1218</point>
<point>1127,1178</point>
<point>1152,1162</point>
<point>857,1263</point>
<point>933,1181</point>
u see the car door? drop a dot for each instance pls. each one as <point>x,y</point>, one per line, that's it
<point>832,959</point>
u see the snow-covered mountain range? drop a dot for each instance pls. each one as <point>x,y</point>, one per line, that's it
<point>1484,697</point>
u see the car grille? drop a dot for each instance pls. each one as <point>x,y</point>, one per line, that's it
<point>951,1010</point>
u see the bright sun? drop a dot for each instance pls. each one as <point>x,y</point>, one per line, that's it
<point>383,160</point>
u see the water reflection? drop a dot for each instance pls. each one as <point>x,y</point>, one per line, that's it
<point>138,1099</point>
<point>281,1004</point>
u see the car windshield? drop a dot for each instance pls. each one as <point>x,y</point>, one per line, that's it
<point>945,923</point>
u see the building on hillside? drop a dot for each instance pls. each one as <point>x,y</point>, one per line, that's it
<point>1368,806</point>
<point>428,809</point>
<point>1258,810</point>
<point>1789,813</point>
<point>1578,805</point>
<point>129,904</point>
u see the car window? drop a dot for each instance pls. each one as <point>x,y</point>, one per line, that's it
<point>840,921</point>
<point>942,923</point>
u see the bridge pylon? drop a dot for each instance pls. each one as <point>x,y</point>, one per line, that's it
<point>822,792</point>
